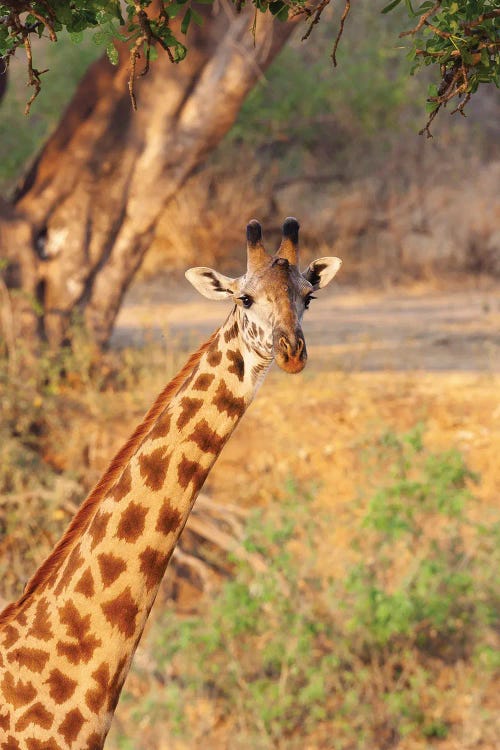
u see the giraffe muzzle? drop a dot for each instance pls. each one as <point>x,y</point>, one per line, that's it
<point>290,353</point>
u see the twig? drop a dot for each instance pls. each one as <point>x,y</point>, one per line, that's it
<point>438,32</point>
<point>347,8</point>
<point>34,75</point>
<point>461,106</point>
<point>479,20</point>
<point>316,16</point>
<point>253,28</point>
<point>134,55</point>
<point>49,27</point>
<point>146,37</point>
<point>422,20</point>
<point>426,128</point>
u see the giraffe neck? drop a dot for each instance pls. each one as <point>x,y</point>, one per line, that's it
<point>66,647</point>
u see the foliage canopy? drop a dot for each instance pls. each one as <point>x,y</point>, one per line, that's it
<point>459,38</point>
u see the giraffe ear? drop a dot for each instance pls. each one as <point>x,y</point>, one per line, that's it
<point>210,283</point>
<point>321,271</point>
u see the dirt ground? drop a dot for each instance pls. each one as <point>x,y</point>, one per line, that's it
<point>413,329</point>
<point>378,361</point>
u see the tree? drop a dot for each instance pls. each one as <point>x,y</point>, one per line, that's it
<point>85,215</point>
<point>80,224</point>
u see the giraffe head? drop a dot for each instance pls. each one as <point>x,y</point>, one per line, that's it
<point>272,295</point>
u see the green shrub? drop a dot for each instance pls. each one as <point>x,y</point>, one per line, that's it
<point>355,661</point>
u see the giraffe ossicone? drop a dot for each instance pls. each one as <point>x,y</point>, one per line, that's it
<point>66,645</point>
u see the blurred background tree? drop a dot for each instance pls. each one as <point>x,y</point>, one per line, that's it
<point>77,225</point>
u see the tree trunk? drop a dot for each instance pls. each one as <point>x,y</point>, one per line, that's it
<point>86,213</point>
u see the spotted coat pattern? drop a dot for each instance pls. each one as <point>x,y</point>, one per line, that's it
<point>66,648</point>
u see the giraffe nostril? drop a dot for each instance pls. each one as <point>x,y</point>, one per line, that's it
<point>300,347</point>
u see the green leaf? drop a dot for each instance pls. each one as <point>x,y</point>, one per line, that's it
<point>76,36</point>
<point>391,6</point>
<point>174,9</point>
<point>186,21</point>
<point>197,18</point>
<point>279,9</point>
<point>409,8</point>
<point>180,52</point>
<point>112,53</point>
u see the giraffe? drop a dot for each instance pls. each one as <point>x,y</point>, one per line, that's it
<point>66,645</point>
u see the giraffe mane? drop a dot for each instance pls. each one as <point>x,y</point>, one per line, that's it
<point>84,514</point>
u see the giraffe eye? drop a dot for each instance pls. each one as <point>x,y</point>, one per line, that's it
<point>307,301</point>
<point>246,301</point>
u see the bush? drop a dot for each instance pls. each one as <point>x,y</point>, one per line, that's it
<point>293,654</point>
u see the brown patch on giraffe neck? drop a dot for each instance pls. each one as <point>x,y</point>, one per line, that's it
<point>189,407</point>
<point>11,743</point>
<point>88,507</point>
<point>116,683</point>
<point>5,722</point>
<point>122,612</point>
<point>98,528</point>
<point>94,742</point>
<point>207,439</point>
<point>214,354</point>
<point>154,467</point>
<point>38,715</point>
<point>225,400</point>
<point>191,471</point>
<point>41,627</point>
<point>34,744</point>
<point>123,486</point>
<point>162,426</point>
<point>75,561</point>
<point>188,380</point>
<point>111,568</point>
<point>203,381</point>
<point>169,519</point>
<point>231,333</point>
<point>153,565</point>
<point>17,693</point>
<point>96,697</point>
<point>71,726</point>
<point>238,366</point>
<point>85,585</point>
<point>132,523</point>
<point>34,659</point>
<point>61,687</point>
<point>10,636</point>
<point>78,628</point>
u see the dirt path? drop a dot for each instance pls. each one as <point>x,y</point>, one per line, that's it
<point>345,329</point>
